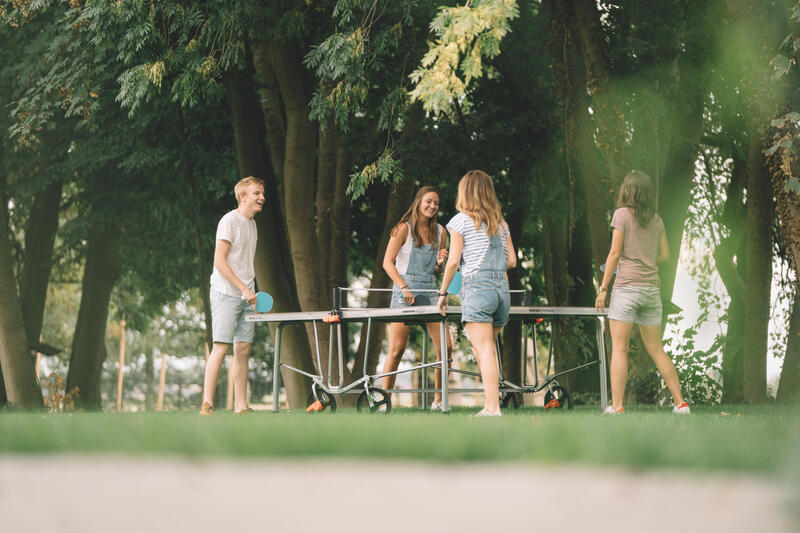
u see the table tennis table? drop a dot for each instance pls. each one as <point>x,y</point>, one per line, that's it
<point>409,315</point>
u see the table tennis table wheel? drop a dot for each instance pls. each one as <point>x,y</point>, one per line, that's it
<point>325,399</point>
<point>557,397</point>
<point>381,402</point>
<point>512,399</point>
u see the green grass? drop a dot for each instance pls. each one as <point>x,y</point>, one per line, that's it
<point>762,439</point>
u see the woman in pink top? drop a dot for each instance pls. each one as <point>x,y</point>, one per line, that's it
<point>638,244</point>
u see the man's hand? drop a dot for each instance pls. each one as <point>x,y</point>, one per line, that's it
<point>249,296</point>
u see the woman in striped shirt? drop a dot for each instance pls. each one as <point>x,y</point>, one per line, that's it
<point>480,244</point>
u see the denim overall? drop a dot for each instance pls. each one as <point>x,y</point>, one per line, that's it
<point>419,275</point>
<point>484,294</point>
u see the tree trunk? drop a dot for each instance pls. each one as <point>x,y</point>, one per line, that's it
<point>399,200</point>
<point>582,332</point>
<point>575,240</point>
<point>512,349</point>
<point>273,264</point>
<point>149,380</point>
<point>40,237</point>
<point>326,184</point>
<point>733,353</point>
<point>298,175</point>
<point>582,155</point>
<point>271,106</point>
<point>676,187</point>
<point>18,376</point>
<point>203,257</point>
<point>789,386</point>
<point>340,218</point>
<point>101,272</point>
<point>609,121</point>
<point>758,273</point>
<point>729,257</point>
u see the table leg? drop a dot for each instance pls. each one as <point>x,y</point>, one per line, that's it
<point>276,371</point>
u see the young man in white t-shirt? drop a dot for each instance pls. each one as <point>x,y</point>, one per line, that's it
<point>233,293</point>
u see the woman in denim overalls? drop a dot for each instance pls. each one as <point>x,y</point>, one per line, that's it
<point>416,250</point>
<point>481,246</point>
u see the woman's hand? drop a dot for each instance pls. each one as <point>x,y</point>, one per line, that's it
<point>441,256</point>
<point>600,302</point>
<point>442,304</point>
<point>408,296</point>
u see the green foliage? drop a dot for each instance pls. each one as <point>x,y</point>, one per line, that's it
<point>786,133</point>
<point>465,35</point>
<point>187,45</point>
<point>364,56</point>
<point>786,138</point>
<point>386,169</point>
<point>699,370</point>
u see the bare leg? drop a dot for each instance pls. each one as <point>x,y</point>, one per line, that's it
<point>433,329</point>
<point>398,338</point>
<point>241,354</point>
<point>651,337</point>
<point>620,344</point>
<point>482,335</point>
<point>213,365</point>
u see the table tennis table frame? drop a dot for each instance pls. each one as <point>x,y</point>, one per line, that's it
<point>420,315</point>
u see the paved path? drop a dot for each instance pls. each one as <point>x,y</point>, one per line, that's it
<point>116,494</point>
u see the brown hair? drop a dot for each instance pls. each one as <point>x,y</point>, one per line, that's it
<point>477,199</point>
<point>242,185</point>
<point>412,217</point>
<point>636,193</point>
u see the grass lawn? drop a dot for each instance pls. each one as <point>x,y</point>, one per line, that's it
<point>759,439</point>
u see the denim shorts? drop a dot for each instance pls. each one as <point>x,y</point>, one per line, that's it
<point>636,305</point>
<point>416,283</point>
<point>485,298</point>
<point>227,318</point>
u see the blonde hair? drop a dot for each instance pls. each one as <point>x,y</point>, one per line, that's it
<point>412,217</point>
<point>241,187</point>
<point>636,193</point>
<point>477,199</point>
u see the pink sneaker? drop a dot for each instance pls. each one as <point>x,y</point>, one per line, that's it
<point>611,411</point>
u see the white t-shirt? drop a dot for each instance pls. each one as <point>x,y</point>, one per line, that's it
<point>476,241</point>
<point>242,234</point>
<point>403,255</point>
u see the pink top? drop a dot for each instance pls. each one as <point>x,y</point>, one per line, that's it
<point>637,265</point>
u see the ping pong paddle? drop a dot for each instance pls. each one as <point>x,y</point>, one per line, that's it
<point>455,285</point>
<point>421,299</point>
<point>603,268</point>
<point>263,302</point>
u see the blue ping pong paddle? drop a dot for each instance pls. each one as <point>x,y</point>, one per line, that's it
<point>455,286</point>
<point>603,268</point>
<point>263,302</point>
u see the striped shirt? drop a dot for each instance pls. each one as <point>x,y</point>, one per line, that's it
<point>476,241</point>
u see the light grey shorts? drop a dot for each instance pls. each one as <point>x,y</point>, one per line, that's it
<point>636,305</point>
<point>485,298</point>
<point>227,318</point>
